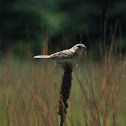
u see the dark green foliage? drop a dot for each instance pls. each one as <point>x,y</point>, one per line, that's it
<point>59,21</point>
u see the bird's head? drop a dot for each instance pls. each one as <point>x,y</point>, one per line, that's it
<point>79,48</point>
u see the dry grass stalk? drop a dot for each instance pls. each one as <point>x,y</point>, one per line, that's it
<point>6,108</point>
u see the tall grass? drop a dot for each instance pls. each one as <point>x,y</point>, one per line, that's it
<point>29,90</point>
<point>29,93</point>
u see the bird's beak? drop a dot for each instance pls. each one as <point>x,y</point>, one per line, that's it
<point>84,47</point>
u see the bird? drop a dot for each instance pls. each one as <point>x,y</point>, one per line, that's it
<point>72,55</point>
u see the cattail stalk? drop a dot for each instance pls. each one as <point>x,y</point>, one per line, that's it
<point>65,91</point>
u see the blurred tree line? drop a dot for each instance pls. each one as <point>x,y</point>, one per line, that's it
<point>26,24</point>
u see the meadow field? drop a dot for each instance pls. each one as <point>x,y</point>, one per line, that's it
<point>29,92</point>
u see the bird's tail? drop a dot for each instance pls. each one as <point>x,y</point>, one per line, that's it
<point>42,56</point>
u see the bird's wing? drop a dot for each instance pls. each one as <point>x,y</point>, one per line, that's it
<point>63,54</point>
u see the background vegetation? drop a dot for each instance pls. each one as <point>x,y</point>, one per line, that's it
<point>29,93</point>
<point>29,88</point>
<point>25,25</point>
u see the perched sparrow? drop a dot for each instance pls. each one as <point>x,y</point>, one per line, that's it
<point>72,55</point>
